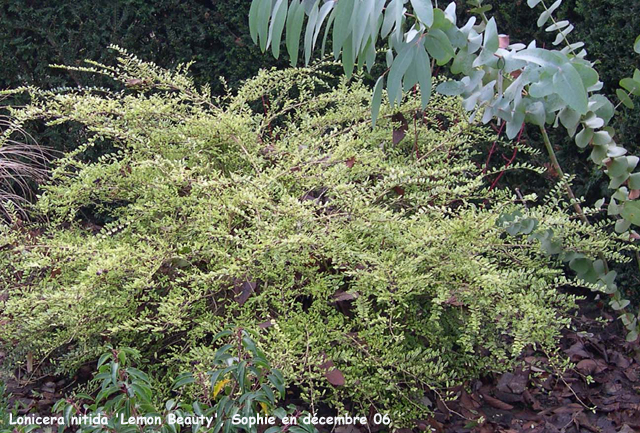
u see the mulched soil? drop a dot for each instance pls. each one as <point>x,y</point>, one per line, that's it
<point>533,398</point>
<point>536,398</point>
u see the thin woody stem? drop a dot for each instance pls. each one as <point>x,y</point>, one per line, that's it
<point>570,194</point>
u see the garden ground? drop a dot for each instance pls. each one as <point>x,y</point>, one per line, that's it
<point>533,398</point>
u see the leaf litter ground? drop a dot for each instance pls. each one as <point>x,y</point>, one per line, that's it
<point>601,394</point>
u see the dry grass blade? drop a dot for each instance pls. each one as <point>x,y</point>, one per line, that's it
<point>23,165</point>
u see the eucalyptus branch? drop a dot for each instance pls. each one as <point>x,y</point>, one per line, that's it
<point>558,168</point>
<point>561,32</point>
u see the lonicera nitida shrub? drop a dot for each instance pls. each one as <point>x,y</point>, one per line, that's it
<point>372,265</point>
<point>38,34</point>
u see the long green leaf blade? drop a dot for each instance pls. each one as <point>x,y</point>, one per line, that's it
<point>330,21</point>
<point>423,70</point>
<point>308,34</point>
<point>348,57</point>
<point>398,68</point>
<point>376,101</point>
<point>361,19</point>
<point>253,20</point>
<point>277,26</point>
<point>264,12</point>
<point>322,15</point>
<point>294,29</point>
<point>341,29</point>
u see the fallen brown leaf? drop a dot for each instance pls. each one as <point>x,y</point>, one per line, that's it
<point>498,404</point>
<point>335,377</point>
<point>587,366</point>
<point>350,162</point>
<point>400,131</point>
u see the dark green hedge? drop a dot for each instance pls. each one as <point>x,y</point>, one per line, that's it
<point>214,33</point>
<point>35,34</point>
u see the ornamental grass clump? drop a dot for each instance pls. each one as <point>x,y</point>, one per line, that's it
<point>372,266</point>
<point>22,164</point>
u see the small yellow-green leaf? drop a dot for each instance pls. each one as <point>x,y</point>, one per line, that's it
<point>218,387</point>
<point>377,100</point>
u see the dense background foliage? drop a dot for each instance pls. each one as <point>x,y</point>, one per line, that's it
<point>215,35</point>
